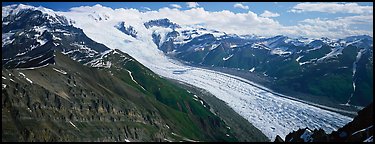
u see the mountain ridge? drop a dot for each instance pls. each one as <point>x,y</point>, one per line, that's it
<point>71,88</point>
<point>100,27</point>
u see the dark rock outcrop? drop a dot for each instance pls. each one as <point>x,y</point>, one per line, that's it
<point>359,130</point>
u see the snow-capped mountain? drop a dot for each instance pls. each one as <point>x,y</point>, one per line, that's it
<point>145,38</point>
<point>42,34</point>
<point>129,30</point>
<point>280,57</point>
<point>72,88</point>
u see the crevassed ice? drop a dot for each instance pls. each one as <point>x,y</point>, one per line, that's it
<point>271,114</point>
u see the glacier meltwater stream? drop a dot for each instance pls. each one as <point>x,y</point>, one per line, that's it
<point>271,114</point>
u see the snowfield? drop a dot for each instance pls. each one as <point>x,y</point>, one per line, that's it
<point>272,114</point>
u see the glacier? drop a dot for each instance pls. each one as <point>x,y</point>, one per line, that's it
<point>270,113</point>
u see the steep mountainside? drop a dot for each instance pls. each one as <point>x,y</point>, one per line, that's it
<point>59,85</point>
<point>71,102</point>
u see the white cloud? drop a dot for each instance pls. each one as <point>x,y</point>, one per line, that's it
<point>332,8</point>
<point>227,21</point>
<point>175,6</point>
<point>251,23</point>
<point>192,4</point>
<point>247,23</point>
<point>146,8</point>
<point>267,13</point>
<point>340,21</point>
<point>339,27</point>
<point>240,5</point>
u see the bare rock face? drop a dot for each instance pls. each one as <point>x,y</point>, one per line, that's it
<point>359,130</point>
<point>279,139</point>
<point>59,85</point>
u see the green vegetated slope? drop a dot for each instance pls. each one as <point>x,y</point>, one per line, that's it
<point>332,79</point>
<point>99,104</point>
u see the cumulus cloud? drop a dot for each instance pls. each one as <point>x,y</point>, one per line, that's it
<point>146,8</point>
<point>192,4</point>
<point>240,5</point>
<point>267,13</point>
<point>248,23</point>
<point>339,27</point>
<point>225,20</point>
<point>251,23</point>
<point>175,6</point>
<point>332,8</point>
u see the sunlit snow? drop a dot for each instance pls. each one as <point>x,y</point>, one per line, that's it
<point>272,114</point>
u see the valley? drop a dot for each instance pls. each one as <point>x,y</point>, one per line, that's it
<point>268,84</point>
<point>269,113</point>
<point>94,73</point>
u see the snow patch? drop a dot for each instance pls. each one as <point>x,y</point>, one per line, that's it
<point>22,74</point>
<point>358,57</point>
<point>199,49</point>
<point>365,129</point>
<point>278,51</point>
<point>56,38</point>
<point>31,68</point>
<point>131,76</point>
<point>60,71</point>
<point>252,69</point>
<point>334,53</point>
<point>259,46</point>
<point>370,139</point>
<point>73,125</point>
<point>19,54</point>
<point>46,59</point>
<point>226,58</point>
<point>307,62</point>
<point>214,46</point>
<point>28,80</point>
<point>4,86</point>
<point>315,48</point>
<point>195,96</point>
<point>233,46</point>
<point>299,58</point>
<point>84,48</point>
<point>6,38</point>
<point>167,140</point>
<point>41,42</point>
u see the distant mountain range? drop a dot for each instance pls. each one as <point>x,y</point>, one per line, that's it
<point>340,69</point>
<point>61,83</point>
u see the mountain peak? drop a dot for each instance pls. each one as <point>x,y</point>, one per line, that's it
<point>16,8</point>
<point>164,22</point>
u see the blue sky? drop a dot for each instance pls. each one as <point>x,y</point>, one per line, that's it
<point>280,12</point>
